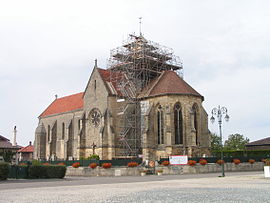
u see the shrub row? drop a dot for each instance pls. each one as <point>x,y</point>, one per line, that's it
<point>47,171</point>
<point>4,171</point>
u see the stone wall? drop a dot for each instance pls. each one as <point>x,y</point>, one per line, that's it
<point>167,170</point>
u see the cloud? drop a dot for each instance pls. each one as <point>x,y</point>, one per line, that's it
<point>49,48</point>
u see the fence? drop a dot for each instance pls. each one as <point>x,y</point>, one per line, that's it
<point>114,162</point>
<point>18,172</point>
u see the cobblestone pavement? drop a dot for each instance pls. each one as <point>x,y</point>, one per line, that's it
<point>244,187</point>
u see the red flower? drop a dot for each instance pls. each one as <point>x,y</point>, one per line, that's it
<point>165,163</point>
<point>76,165</point>
<point>236,161</point>
<point>61,164</point>
<point>132,164</point>
<point>192,162</point>
<point>220,162</point>
<point>93,165</point>
<point>106,165</point>
<point>251,161</point>
<point>46,164</point>
<point>203,162</point>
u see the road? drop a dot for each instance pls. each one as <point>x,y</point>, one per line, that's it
<point>235,187</point>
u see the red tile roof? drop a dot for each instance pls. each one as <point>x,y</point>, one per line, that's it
<point>110,78</point>
<point>64,104</point>
<point>169,83</point>
<point>29,148</point>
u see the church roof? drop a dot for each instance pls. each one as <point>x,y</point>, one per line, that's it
<point>169,83</point>
<point>64,104</point>
<point>265,141</point>
<point>110,79</point>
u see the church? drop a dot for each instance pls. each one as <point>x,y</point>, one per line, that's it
<point>139,106</point>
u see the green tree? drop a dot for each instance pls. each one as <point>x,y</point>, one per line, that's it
<point>215,142</point>
<point>235,142</point>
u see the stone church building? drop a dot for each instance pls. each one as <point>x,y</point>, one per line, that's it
<point>138,107</point>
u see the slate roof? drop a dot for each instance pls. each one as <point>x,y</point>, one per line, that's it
<point>64,104</point>
<point>29,149</point>
<point>265,141</point>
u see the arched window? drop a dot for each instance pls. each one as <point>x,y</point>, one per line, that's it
<point>160,125</point>
<point>195,121</point>
<point>49,132</point>
<point>63,130</point>
<point>178,124</point>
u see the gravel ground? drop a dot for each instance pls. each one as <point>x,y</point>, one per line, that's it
<point>242,188</point>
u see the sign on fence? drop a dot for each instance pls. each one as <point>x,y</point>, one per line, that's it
<point>178,159</point>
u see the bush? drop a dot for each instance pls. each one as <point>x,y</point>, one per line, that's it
<point>192,162</point>
<point>220,162</point>
<point>37,171</point>
<point>236,161</point>
<point>132,164</point>
<point>106,165</point>
<point>76,165</point>
<point>93,157</point>
<point>55,171</point>
<point>51,171</point>
<point>4,171</point>
<point>93,165</point>
<point>165,163</point>
<point>36,163</point>
<point>251,161</point>
<point>203,162</point>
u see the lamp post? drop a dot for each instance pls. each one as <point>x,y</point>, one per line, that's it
<point>218,112</point>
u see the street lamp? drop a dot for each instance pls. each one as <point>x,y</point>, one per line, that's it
<point>218,112</point>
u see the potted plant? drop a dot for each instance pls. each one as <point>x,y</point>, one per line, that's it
<point>203,162</point>
<point>267,168</point>
<point>236,161</point>
<point>251,161</point>
<point>106,165</point>
<point>132,164</point>
<point>165,163</point>
<point>143,172</point>
<point>159,172</point>
<point>76,165</point>
<point>93,165</point>
<point>192,162</point>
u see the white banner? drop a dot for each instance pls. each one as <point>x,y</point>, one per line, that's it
<point>178,159</point>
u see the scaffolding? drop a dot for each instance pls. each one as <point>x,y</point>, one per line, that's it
<point>132,67</point>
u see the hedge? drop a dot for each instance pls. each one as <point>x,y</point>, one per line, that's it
<point>51,171</point>
<point>4,170</point>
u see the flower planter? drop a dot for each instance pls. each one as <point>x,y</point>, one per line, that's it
<point>143,173</point>
<point>267,171</point>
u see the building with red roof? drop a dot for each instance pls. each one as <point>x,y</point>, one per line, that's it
<point>26,153</point>
<point>139,106</point>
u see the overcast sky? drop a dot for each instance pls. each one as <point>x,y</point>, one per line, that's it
<point>49,47</point>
